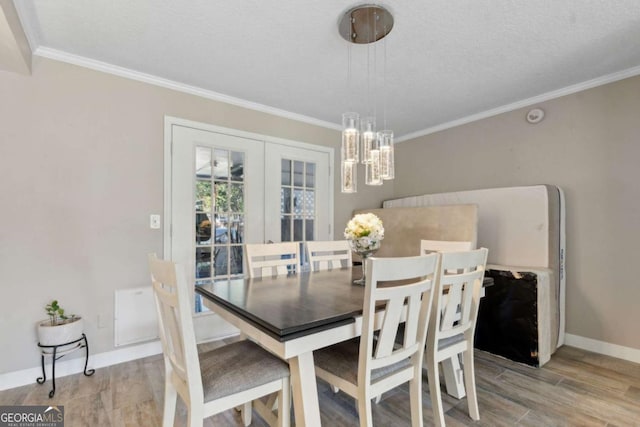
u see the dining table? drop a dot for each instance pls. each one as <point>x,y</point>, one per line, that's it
<point>292,315</point>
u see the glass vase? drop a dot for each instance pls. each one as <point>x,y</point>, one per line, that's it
<point>364,248</point>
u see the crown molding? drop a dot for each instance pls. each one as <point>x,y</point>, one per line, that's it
<point>55,54</point>
<point>568,90</point>
<point>104,67</point>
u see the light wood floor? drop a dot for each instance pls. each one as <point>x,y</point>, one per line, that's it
<point>576,388</point>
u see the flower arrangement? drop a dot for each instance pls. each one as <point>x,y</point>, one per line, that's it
<point>364,232</point>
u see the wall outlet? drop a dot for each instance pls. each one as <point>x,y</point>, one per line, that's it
<point>154,221</point>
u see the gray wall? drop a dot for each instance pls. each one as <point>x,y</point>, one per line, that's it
<point>81,169</point>
<point>588,144</point>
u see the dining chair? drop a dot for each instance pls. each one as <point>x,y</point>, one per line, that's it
<point>272,259</point>
<point>329,255</point>
<point>219,379</point>
<point>453,321</point>
<point>365,368</point>
<point>429,246</point>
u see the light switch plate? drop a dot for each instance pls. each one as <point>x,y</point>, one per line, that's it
<point>154,221</point>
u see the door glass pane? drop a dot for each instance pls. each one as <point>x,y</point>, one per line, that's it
<point>297,229</point>
<point>203,228</point>
<point>203,263</point>
<point>235,261</point>
<point>298,174</point>
<point>310,181</point>
<point>237,166</point>
<point>308,230</point>
<point>285,200</point>
<point>236,198</point>
<point>309,203</point>
<point>286,172</point>
<point>222,229</point>
<point>285,228</point>
<point>221,262</point>
<point>222,196</point>
<point>203,196</point>
<point>236,229</point>
<point>221,164</point>
<point>203,162</point>
<point>298,201</point>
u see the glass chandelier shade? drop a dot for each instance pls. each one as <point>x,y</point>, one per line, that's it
<point>349,176</point>
<point>372,169</point>
<point>350,137</point>
<point>387,166</point>
<point>369,138</point>
<point>350,152</point>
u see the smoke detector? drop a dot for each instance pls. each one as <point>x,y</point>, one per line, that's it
<point>535,115</point>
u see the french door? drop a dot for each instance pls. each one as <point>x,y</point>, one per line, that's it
<point>302,211</point>
<point>228,188</point>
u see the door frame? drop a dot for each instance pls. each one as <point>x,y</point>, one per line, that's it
<point>170,121</point>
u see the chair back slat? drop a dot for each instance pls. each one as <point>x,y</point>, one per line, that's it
<point>272,259</point>
<point>329,255</point>
<point>409,301</point>
<point>167,305</point>
<point>176,323</point>
<point>389,330</point>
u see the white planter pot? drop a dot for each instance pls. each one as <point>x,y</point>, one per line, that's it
<point>61,333</point>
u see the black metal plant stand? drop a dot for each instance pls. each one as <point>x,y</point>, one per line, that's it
<point>52,350</point>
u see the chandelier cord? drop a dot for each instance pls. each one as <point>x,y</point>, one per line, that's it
<point>349,86</point>
<point>384,81</point>
<point>375,65</point>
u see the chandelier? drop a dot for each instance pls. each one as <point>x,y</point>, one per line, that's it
<point>361,143</point>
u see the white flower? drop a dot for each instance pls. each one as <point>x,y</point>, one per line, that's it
<point>365,231</point>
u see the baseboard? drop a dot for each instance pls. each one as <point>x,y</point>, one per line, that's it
<point>601,347</point>
<point>74,366</point>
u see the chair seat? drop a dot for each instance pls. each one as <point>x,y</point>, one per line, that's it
<point>237,367</point>
<point>447,342</point>
<point>342,360</point>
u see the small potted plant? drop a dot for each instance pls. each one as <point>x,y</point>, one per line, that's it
<point>59,328</point>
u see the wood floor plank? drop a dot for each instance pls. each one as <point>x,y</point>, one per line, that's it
<point>499,406</point>
<point>609,407</point>
<point>482,357</point>
<point>538,396</point>
<point>129,384</point>
<point>553,418</point>
<point>86,410</point>
<point>629,369</point>
<point>597,376</point>
<point>588,406</point>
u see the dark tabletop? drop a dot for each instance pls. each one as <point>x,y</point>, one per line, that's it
<point>295,305</point>
<point>290,306</point>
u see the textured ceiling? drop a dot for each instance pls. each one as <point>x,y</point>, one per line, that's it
<point>446,61</point>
